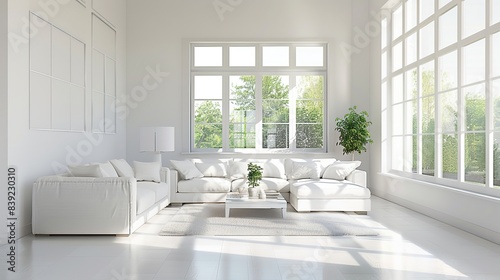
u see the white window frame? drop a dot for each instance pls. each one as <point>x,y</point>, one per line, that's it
<point>387,107</point>
<point>258,71</point>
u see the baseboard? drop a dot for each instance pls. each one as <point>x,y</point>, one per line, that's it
<point>469,227</point>
<point>21,232</point>
<point>176,204</point>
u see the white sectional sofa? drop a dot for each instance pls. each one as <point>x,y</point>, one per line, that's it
<point>308,184</point>
<point>210,180</point>
<point>109,198</point>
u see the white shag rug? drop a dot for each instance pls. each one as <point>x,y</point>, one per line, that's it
<point>208,219</point>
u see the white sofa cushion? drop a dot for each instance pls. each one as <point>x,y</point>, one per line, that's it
<point>122,168</point>
<point>90,170</point>
<point>274,184</point>
<point>321,164</point>
<point>147,171</point>
<point>212,169</point>
<point>339,170</point>
<point>237,170</point>
<point>108,170</point>
<point>186,169</point>
<point>273,168</point>
<point>145,199</point>
<point>204,185</point>
<point>327,188</point>
<point>160,189</point>
<point>305,170</point>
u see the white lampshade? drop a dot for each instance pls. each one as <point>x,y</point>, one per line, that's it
<point>157,139</point>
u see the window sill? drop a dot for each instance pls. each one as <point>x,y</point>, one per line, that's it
<point>469,189</point>
<point>256,153</point>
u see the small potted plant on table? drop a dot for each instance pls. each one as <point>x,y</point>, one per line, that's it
<point>254,177</point>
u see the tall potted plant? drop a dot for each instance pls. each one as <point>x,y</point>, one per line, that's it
<point>254,177</point>
<point>353,129</point>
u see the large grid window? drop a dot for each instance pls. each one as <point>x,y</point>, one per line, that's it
<point>258,97</point>
<point>441,92</point>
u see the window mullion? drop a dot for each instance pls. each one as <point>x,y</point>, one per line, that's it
<point>292,57</point>
<point>461,130</point>
<point>389,75</point>
<point>489,107</point>
<point>191,112</point>
<point>419,94</point>
<point>438,143</point>
<point>225,98</point>
<point>258,57</point>
<point>225,56</point>
<point>460,99</point>
<point>419,130</point>
<point>258,112</point>
<point>225,112</point>
<point>438,136</point>
<point>292,97</point>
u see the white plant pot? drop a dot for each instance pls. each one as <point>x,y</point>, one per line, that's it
<point>253,192</point>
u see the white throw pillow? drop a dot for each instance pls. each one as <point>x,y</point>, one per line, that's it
<point>273,169</point>
<point>305,170</point>
<point>108,170</point>
<point>322,164</point>
<point>90,170</point>
<point>339,170</point>
<point>147,171</point>
<point>237,170</point>
<point>212,169</point>
<point>122,168</point>
<point>187,169</point>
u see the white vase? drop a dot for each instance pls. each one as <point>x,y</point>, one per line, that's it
<point>253,192</point>
<point>262,194</point>
<point>243,190</point>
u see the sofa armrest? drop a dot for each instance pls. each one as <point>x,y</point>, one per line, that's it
<point>357,177</point>
<point>83,205</point>
<point>121,185</point>
<point>165,175</point>
<point>173,180</point>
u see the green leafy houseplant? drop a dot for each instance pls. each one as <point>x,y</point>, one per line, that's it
<point>354,134</point>
<point>254,175</point>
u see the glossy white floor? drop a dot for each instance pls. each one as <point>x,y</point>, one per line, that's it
<point>410,246</point>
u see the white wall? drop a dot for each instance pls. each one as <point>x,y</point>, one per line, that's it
<point>34,151</point>
<point>158,33</point>
<point>360,67</point>
<point>474,213</point>
<point>3,116</point>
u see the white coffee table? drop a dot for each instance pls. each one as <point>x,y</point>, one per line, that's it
<point>234,200</point>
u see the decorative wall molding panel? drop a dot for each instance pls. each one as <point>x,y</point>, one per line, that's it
<point>103,76</point>
<point>106,10</point>
<point>57,79</point>
<point>83,2</point>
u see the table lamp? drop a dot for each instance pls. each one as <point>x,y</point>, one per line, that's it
<point>157,140</point>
